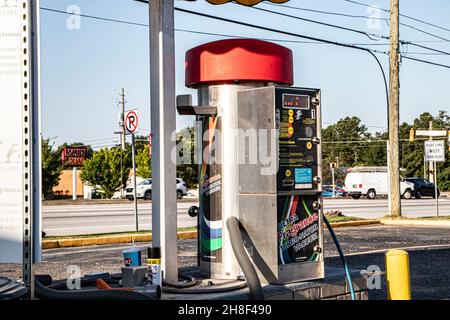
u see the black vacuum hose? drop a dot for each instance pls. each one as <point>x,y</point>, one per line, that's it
<point>44,293</point>
<point>244,261</point>
<point>206,289</point>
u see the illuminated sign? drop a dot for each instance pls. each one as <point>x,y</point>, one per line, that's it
<point>295,101</point>
<point>74,156</point>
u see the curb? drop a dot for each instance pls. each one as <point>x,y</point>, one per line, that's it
<point>96,241</point>
<point>358,223</point>
<point>182,235</point>
<point>418,222</point>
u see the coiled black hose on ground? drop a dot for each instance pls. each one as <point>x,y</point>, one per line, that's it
<point>45,293</point>
<point>244,261</point>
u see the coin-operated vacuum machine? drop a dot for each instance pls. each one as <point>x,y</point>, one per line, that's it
<point>260,160</point>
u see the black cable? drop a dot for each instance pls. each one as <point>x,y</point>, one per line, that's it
<point>367,34</point>
<point>316,40</point>
<point>427,62</point>
<point>424,47</point>
<point>424,32</point>
<point>94,17</point>
<point>339,14</point>
<point>297,35</point>
<point>402,15</point>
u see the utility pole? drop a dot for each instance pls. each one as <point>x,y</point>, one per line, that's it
<point>122,140</point>
<point>122,122</point>
<point>394,101</point>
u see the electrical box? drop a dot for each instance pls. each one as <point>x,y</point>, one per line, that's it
<point>280,181</point>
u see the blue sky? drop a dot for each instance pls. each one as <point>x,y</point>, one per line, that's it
<point>84,69</point>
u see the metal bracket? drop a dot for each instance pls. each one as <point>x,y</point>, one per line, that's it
<point>185,107</point>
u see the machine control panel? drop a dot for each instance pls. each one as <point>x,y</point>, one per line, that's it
<point>297,116</point>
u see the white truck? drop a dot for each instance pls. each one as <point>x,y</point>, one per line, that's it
<point>372,182</point>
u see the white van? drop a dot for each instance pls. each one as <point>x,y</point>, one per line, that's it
<point>372,182</point>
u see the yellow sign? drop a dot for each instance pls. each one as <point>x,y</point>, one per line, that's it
<point>291,120</point>
<point>288,173</point>
<point>291,113</point>
<point>245,2</point>
<point>309,145</point>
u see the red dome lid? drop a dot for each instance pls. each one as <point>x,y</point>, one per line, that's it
<point>239,60</point>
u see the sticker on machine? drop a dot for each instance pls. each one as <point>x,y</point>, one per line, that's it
<point>303,178</point>
<point>298,229</point>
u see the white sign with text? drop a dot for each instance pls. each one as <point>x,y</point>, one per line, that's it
<point>435,151</point>
<point>11,134</point>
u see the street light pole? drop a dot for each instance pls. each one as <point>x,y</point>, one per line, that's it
<point>394,101</point>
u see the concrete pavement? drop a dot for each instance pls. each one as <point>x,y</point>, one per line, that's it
<point>364,246</point>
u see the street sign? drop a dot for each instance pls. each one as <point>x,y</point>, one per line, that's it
<point>431,133</point>
<point>131,122</point>
<point>434,151</point>
<point>74,156</point>
<point>20,167</point>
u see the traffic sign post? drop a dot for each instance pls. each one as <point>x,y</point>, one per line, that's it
<point>131,120</point>
<point>131,124</point>
<point>435,152</point>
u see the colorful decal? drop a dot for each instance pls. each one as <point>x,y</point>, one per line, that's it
<point>211,223</point>
<point>298,229</point>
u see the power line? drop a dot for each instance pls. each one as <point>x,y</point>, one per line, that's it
<point>367,34</point>
<point>423,47</point>
<point>427,62</point>
<point>326,12</point>
<point>425,32</point>
<point>94,17</point>
<point>402,15</point>
<point>372,51</point>
<point>313,40</point>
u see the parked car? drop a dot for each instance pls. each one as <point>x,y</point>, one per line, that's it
<point>372,182</point>
<point>423,188</point>
<point>144,190</point>
<point>328,191</point>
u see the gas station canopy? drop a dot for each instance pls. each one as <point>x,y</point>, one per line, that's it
<point>238,60</point>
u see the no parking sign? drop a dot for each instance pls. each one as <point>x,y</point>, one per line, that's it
<point>131,120</point>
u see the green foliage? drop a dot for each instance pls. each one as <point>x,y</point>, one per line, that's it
<point>187,169</point>
<point>51,168</point>
<point>143,162</point>
<point>104,170</point>
<point>339,141</point>
<point>373,152</point>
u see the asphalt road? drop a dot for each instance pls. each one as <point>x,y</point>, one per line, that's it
<point>429,251</point>
<point>59,220</point>
<point>372,209</point>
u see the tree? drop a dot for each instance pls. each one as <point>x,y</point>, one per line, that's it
<point>104,170</point>
<point>143,162</point>
<point>187,168</point>
<point>51,168</point>
<point>339,142</point>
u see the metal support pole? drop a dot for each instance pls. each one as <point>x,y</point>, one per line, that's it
<point>436,189</point>
<point>74,183</point>
<point>334,185</point>
<point>394,100</point>
<point>162,92</point>
<point>133,155</point>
